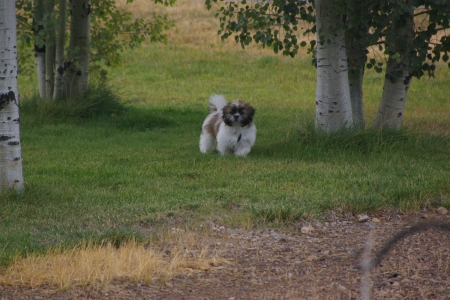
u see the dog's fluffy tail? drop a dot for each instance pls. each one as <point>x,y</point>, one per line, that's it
<point>217,102</point>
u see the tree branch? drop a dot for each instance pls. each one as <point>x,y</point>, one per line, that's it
<point>423,13</point>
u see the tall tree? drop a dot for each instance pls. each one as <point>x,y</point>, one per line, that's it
<point>93,31</point>
<point>49,6</point>
<point>39,44</point>
<point>11,175</point>
<point>59,51</point>
<point>77,72</point>
<point>356,28</point>
<point>367,24</point>
<point>333,106</point>
<point>399,41</point>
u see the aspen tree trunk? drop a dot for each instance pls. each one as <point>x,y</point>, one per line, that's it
<point>333,106</point>
<point>49,49</point>
<point>39,44</point>
<point>356,64</point>
<point>59,51</point>
<point>393,98</point>
<point>356,58</point>
<point>79,47</point>
<point>11,175</point>
<point>356,97</point>
<point>395,89</point>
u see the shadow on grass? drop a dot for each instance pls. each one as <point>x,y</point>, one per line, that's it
<point>307,144</point>
<point>144,118</point>
<point>102,107</point>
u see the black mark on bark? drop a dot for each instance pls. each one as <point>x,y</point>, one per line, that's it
<point>7,98</point>
<point>5,137</point>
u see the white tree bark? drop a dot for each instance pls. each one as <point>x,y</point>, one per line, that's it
<point>333,106</point>
<point>395,89</point>
<point>39,45</point>
<point>393,99</point>
<point>77,73</point>
<point>59,51</point>
<point>11,175</point>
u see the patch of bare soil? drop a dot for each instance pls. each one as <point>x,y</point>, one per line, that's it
<point>318,260</point>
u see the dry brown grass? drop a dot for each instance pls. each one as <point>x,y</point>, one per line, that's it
<point>176,252</point>
<point>195,26</point>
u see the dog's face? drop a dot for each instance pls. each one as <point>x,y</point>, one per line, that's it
<point>239,112</point>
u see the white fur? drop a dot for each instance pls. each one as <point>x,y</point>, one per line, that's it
<point>230,139</point>
<point>218,101</point>
<point>227,139</point>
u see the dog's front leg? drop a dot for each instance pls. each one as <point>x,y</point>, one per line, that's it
<point>242,148</point>
<point>223,148</point>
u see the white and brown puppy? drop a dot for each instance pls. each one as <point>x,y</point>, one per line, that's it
<point>230,124</point>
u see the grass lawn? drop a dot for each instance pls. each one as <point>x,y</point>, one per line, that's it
<point>96,178</point>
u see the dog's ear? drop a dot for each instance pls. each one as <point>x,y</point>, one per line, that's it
<point>252,112</point>
<point>249,111</point>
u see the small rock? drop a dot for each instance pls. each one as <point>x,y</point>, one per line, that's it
<point>363,218</point>
<point>425,216</point>
<point>231,231</point>
<point>274,235</point>
<point>441,210</point>
<point>307,229</point>
<point>312,258</point>
<point>341,288</point>
<point>376,220</point>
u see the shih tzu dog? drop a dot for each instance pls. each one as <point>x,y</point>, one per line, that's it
<point>230,125</point>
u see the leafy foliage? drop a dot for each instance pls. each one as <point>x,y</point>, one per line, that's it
<point>112,31</point>
<point>273,23</point>
<point>370,23</point>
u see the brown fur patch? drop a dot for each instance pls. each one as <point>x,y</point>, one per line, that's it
<point>213,126</point>
<point>212,109</point>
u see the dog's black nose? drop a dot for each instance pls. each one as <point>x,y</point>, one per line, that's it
<point>236,116</point>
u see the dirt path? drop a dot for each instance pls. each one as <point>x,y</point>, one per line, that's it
<point>321,264</point>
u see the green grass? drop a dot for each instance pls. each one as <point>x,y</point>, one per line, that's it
<point>93,178</point>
